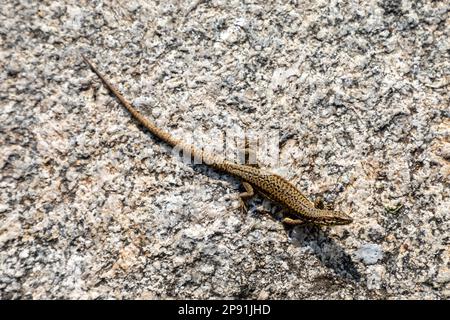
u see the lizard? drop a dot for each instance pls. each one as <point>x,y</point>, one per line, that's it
<point>299,208</point>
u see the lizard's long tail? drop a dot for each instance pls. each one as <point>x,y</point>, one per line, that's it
<point>163,135</point>
<point>195,153</point>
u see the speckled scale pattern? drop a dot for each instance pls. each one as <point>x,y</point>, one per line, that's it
<point>276,187</point>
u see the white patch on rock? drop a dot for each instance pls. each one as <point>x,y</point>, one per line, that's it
<point>370,253</point>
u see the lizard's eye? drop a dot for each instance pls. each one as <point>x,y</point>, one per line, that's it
<point>344,218</point>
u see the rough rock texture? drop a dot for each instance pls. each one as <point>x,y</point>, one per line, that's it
<point>92,206</point>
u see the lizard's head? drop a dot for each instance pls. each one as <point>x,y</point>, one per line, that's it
<point>334,218</point>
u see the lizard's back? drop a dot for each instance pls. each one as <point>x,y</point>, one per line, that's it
<point>273,186</point>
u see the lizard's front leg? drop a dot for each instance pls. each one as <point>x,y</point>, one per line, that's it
<point>292,222</point>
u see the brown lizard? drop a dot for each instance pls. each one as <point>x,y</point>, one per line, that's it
<point>298,208</point>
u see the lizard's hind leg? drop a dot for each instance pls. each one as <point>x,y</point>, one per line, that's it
<point>243,196</point>
<point>320,204</point>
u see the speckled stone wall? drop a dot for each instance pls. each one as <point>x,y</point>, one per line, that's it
<point>92,206</point>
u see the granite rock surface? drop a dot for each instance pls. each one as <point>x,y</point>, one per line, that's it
<point>92,206</point>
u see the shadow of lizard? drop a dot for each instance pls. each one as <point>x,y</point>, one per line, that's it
<point>331,254</point>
